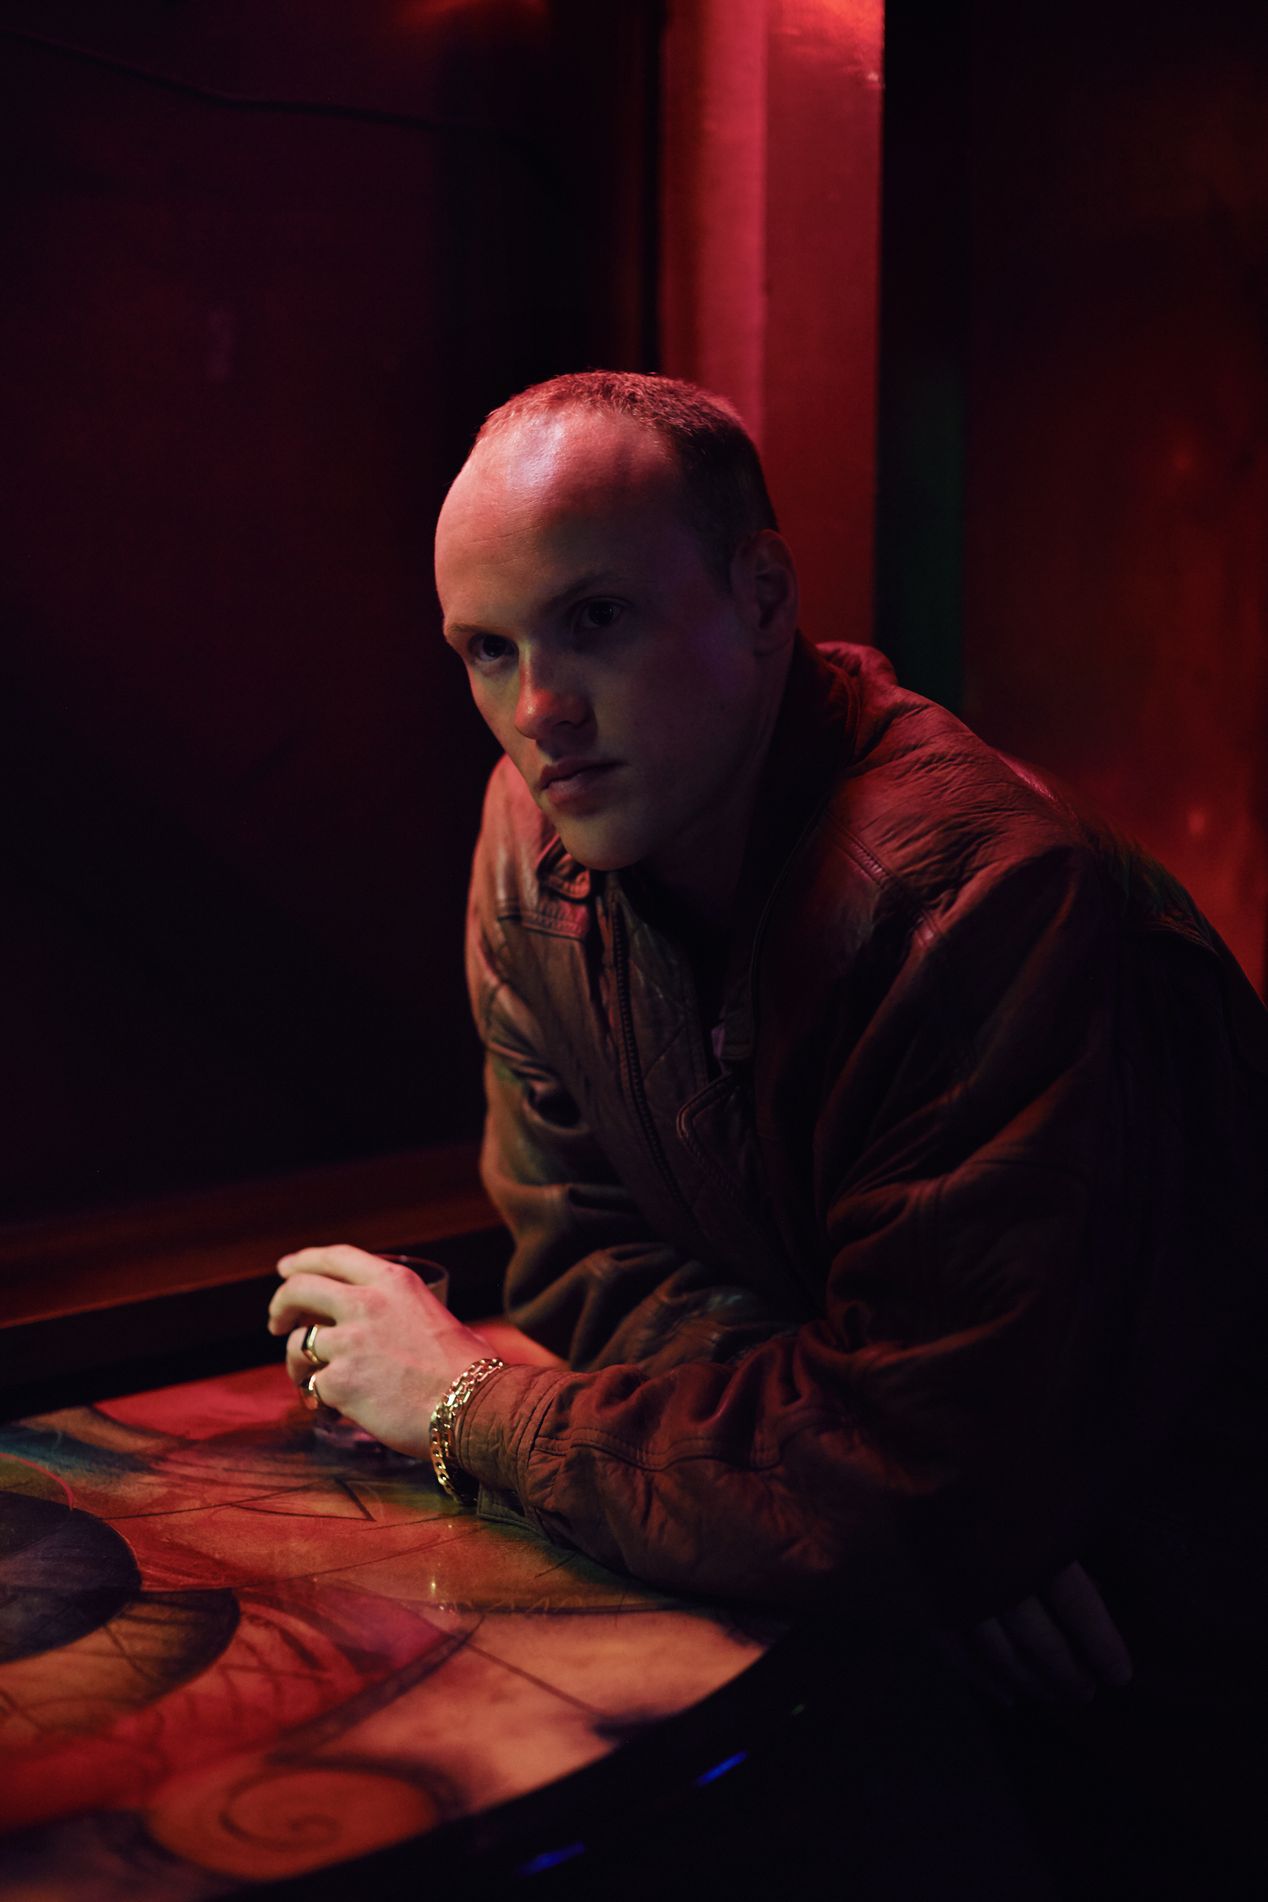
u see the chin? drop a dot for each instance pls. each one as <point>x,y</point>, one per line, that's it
<point>599,854</point>
<point>598,861</point>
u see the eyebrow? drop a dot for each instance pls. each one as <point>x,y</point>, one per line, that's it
<point>596,578</point>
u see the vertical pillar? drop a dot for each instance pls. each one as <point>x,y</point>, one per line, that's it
<point>770,189</point>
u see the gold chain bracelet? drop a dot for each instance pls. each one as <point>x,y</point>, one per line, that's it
<point>446,1410</point>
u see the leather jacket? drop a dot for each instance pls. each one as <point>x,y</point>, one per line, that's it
<point>915,1271</point>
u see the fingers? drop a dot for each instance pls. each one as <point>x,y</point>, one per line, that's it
<point>340,1261</point>
<point>308,1297</point>
<point>999,1665</point>
<point>331,1378</point>
<point>973,1658</point>
<point>1058,1644</point>
<point>1047,1652</point>
<point>298,1365</point>
<point>1022,1654</point>
<point>1080,1610</point>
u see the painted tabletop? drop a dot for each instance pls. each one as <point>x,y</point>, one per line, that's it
<point>233,1651</point>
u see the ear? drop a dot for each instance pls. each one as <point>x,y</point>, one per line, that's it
<point>764,582</point>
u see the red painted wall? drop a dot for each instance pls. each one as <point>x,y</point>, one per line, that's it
<point>1116,603</point>
<point>770,200</point>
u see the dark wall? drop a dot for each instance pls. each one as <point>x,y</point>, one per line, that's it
<point>265,268</point>
<point>1116,554</point>
<point>1073,441</point>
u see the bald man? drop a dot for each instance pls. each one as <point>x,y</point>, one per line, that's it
<point>881,1142</point>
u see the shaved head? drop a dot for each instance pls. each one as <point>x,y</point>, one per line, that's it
<point>723,490</point>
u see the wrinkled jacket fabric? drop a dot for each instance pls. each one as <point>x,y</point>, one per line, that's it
<point>930,1267</point>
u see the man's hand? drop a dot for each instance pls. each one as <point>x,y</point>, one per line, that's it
<point>1059,1645</point>
<point>393,1349</point>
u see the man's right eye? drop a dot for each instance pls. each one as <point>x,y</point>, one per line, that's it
<point>486,650</point>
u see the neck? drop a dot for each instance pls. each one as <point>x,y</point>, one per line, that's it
<point>700,889</point>
<point>697,878</point>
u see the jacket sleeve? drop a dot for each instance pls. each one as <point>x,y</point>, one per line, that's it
<point>1017,1312</point>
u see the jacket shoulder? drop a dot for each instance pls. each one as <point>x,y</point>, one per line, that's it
<point>936,811</point>
<point>931,809</point>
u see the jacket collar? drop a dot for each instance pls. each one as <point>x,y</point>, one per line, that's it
<point>558,871</point>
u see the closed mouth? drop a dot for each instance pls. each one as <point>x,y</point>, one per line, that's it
<point>571,774</point>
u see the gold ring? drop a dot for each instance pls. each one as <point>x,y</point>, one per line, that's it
<point>311,1396</point>
<point>309,1349</point>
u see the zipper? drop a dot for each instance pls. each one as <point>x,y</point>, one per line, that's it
<point>647,1123</point>
<point>768,906</point>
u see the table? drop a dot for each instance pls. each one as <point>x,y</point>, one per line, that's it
<point>233,1654</point>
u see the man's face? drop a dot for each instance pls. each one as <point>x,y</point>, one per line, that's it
<point>623,680</point>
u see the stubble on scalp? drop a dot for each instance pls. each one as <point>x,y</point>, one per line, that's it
<point>723,487</point>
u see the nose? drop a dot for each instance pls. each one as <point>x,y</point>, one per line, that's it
<point>548,700</point>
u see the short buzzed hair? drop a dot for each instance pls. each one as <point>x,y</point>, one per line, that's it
<point>723,484</point>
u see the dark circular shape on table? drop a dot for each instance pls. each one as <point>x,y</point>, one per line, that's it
<point>63,1573</point>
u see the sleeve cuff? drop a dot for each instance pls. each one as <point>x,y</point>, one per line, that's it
<point>493,1438</point>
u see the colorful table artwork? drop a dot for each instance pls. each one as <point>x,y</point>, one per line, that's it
<point>231,1652</point>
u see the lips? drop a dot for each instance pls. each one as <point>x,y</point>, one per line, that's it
<point>570,782</point>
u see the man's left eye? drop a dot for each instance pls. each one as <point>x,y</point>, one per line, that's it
<point>593,615</point>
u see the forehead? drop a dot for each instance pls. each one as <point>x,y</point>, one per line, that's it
<point>577,491</point>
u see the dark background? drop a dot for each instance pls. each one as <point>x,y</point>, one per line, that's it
<point>267,267</point>
<point>264,268</point>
